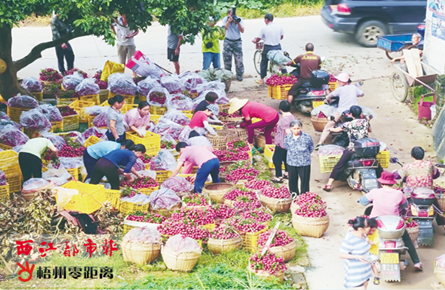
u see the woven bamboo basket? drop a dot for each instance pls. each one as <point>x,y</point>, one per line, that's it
<point>293,208</point>
<point>413,233</point>
<point>216,191</point>
<point>228,202</point>
<point>30,194</point>
<point>183,262</point>
<point>441,201</point>
<point>260,141</point>
<point>242,134</point>
<point>217,246</point>
<point>310,227</point>
<point>267,276</point>
<point>440,274</point>
<point>139,253</point>
<point>224,136</point>
<point>166,212</point>
<point>276,204</point>
<point>287,252</point>
<point>225,164</point>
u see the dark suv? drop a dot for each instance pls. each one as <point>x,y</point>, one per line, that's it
<point>369,19</point>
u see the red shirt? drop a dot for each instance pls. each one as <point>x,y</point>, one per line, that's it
<point>198,120</point>
<point>258,110</point>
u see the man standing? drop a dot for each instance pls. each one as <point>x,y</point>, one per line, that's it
<point>173,44</point>
<point>210,46</point>
<point>63,51</point>
<point>308,62</point>
<point>124,39</point>
<point>234,26</point>
<point>272,34</point>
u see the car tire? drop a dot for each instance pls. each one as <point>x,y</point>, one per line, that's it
<point>367,33</point>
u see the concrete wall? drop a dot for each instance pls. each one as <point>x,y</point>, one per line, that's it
<point>434,46</point>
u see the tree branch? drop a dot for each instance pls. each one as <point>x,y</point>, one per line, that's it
<point>36,52</point>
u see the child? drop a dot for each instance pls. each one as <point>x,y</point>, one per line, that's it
<point>373,239</point>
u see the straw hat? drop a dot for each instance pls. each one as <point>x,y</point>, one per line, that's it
<point>343,77</point>
<point>387,178</point>
<point>236,104</point>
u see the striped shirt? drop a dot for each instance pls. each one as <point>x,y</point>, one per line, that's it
<point>356,272</point>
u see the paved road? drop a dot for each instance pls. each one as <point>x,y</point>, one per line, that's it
<point>395,124</point>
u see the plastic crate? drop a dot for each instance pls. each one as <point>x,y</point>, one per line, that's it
<point>271,165</point>
<point>250,240</point>
<point>187,112</point>
<point>113,196</point>
<point>91,141</point>
<point>317,104</point>
<point>129,99</point>
<point>142,98</point>
<point>155,118</point>
<point>327,163</point>
<point>74,172</point>
<point>90,198</point>
<point>15,182</point>
<point>268,151</point>
<point>279,92</point>
<point>128,107</point>
<point>4,192</point>
<point>70,123</point>
<point>15,113</point>
<point>127,207</point>
<point>148,191</point>
<point>162,175</point>
<point>103,96</point>
<point>79,107</point>
<point>190,116</point>
<point>57,126</point>
<point>38,96</point>
<point>217,127</point>
<point>5,147</point>
<point>151,141</point>
<point>383,158</point>
<point>66,101</point>
<point>91,98</point>
<point>333,85</point>
<point>155,110</point>
<point>9,163</point>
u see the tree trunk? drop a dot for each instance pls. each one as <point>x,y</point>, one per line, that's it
<point>9,86</point>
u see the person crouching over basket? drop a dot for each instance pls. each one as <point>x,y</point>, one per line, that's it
<point>202,156</point>
<point>248,109</point>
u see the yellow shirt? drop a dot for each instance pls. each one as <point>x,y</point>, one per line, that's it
<point>375,239</point>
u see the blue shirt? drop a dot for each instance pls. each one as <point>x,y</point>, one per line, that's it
<point>122,157</point>
<point>101,149</point>
<point>299,150</point>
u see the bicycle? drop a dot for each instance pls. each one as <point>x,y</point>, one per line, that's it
<point>273,68</point>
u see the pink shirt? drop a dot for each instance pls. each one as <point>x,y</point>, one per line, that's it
<point>133,118</point>
<point>198,120</point>
<point>196,155</point>
<point>260,111</point>
<point>386,201</point>
<point>282,125</point>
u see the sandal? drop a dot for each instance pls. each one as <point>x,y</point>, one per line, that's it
<point>277,180</point>
<point>418,266</point>
<point>327,188</point>
<point>376,280</point>
<point>285,176</point>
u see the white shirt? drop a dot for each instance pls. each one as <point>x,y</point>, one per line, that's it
<point>122,32</point>
<point>347,97</point>
<point>271,34</point>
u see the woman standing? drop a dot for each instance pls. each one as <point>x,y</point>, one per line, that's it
<point>269,117</point>
<point>115,119</point>
<point>94,152</point>
<point>283,128</point>
<point>138,119</point>
<point>108,165</point>
<point>353,250</point>
<point>30,156</point>
<point>299,146</point>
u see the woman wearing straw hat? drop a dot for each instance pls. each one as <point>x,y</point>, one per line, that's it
<point>269,117</point>
<point>388,201</point>
<point>347,95</point>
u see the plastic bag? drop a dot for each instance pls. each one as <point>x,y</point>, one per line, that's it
<point>176,116</point>
<point>34,183</point>
<point>93,131</point>
<point>4,123</point>
<point>101,120</point>
<point>24,101</point>
<point>143,235</point>
<point>328,150</point>
<point>440,261</point>
<point>120,83</point>
<point>278,57</point>
<point>32,84</point>
<point>180,102</point>
<point>184,136</point>
<point>71,162</point>
<point>52,113</point>
<point>139,165</point>
<point>164,160</point>
<point>87,87</point>
<point>35,120</point>
<point>199,141</point>
<point>177,184</point>
<point>163,198</point>
<point>57,140</point>
<point>111,67</point>
<point>138,198</point>
<point>11,136</point>
<point>2,178</point>
<point>70,82</point>
<point>18,148</point>
<point>165,126</point>
<point>4,116</point>
<point>142,65</point>
<point>145,86</point>
<point>216,86</point>
<point>173,84</point>
<point>180,244</point>
<point>58,176</point>
<point>168,138</point>
<point>96,110</point>
<point>191,81</point>
<point>159,97</point>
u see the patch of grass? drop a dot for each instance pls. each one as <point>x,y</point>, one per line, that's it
<point>418,92</point>
<point>286,9</point>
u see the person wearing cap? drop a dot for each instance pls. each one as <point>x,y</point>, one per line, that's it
<point>248,109</point>
<point>347,95</point>
<point>272,34</point>
<point>210,46</point>
<point>389,201</point>
<point>210,99</point>
<point>200,123</point>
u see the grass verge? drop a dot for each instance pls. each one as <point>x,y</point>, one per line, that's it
<point>287,9</point>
